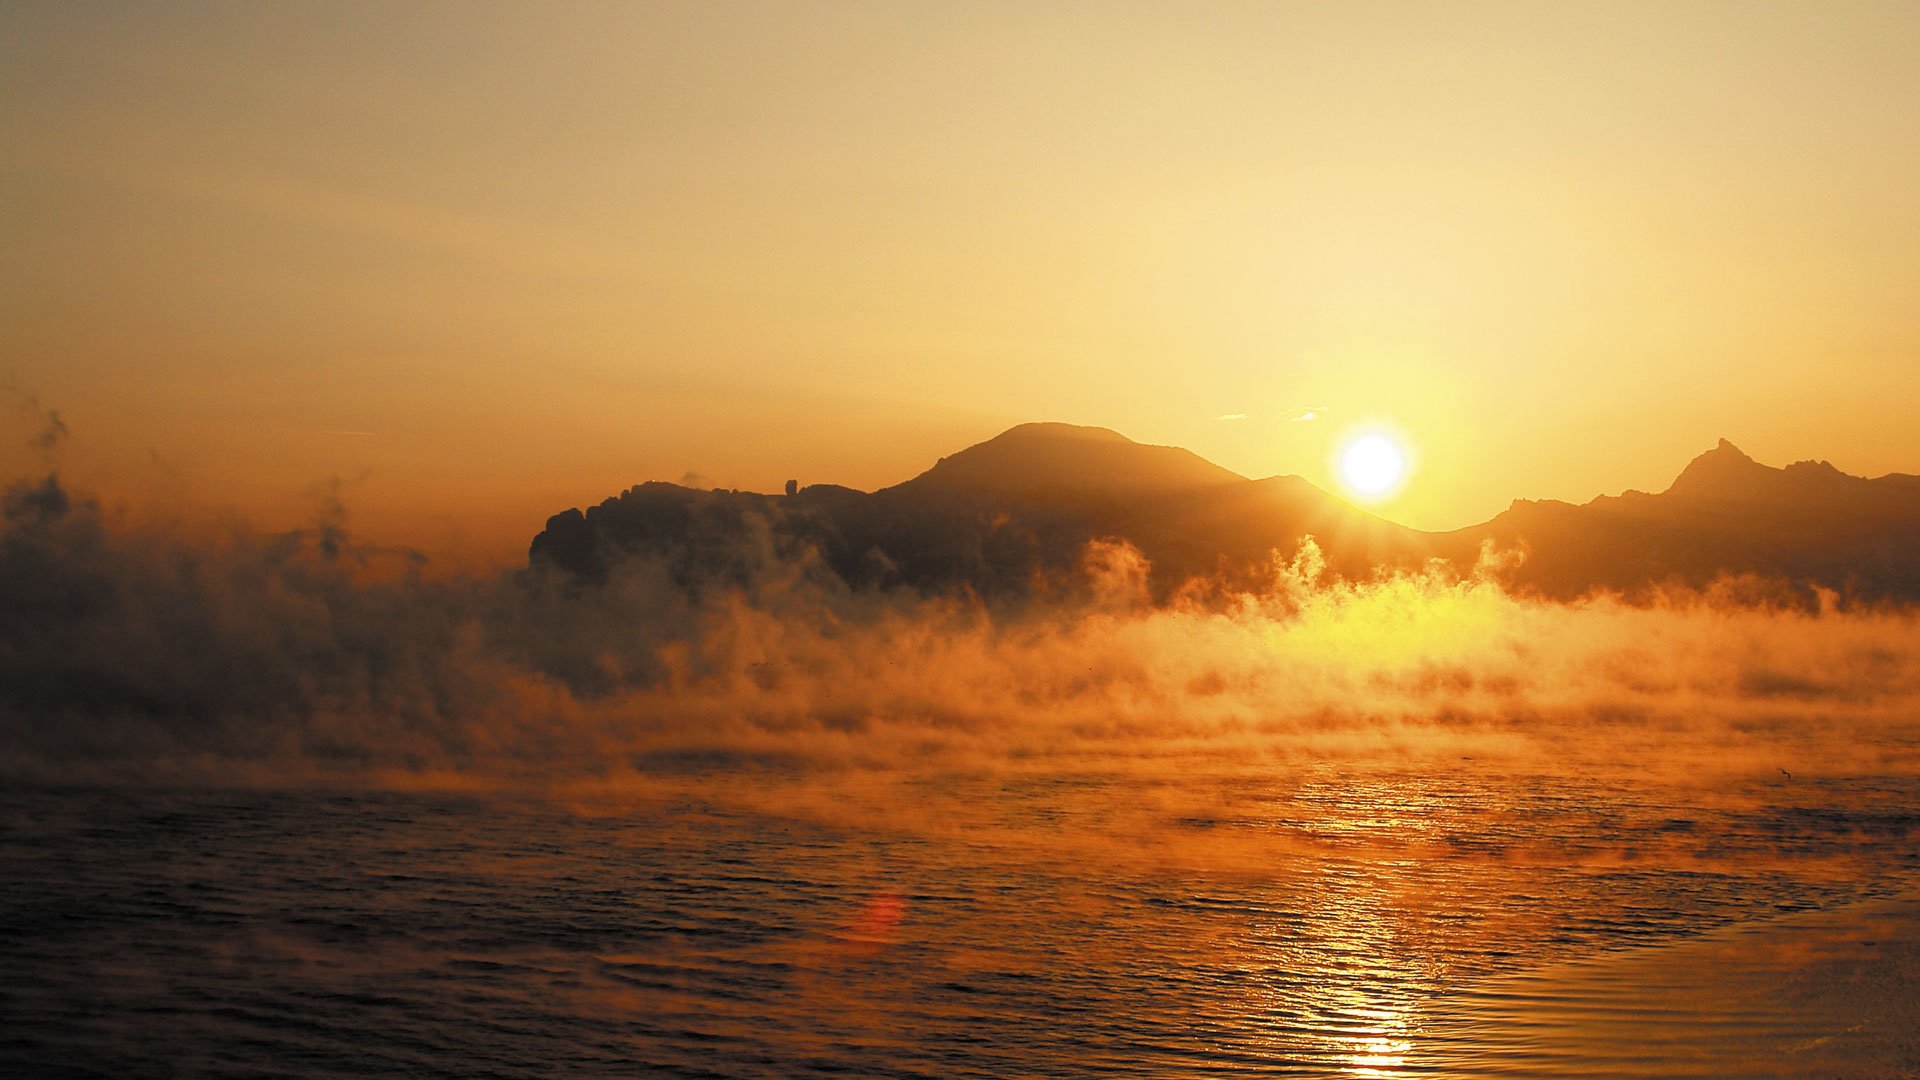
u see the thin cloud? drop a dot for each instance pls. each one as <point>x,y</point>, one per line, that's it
<point>1311,413</point>
<point>1231,416</point>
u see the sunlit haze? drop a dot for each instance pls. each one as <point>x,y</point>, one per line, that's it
<point>698,538</point>
<point>486,261</point>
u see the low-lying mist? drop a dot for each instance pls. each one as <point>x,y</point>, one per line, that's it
<point>209,653</point>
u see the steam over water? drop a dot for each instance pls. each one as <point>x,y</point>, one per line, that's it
<point>266,816</point>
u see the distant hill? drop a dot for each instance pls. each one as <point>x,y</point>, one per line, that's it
<point>1011,517</point>
<point>1040,461</point>
<point>1008,517</point>
<point>1725,514</point>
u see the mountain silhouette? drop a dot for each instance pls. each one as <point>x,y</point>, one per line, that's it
<point>1725,515</point>
<point>1044,460</point>
<point>1011,518</point>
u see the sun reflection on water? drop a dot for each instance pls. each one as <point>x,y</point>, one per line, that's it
<point>1366,1038</point>
<point>1346,1001</point>
<point>1380,1055</point>
<point>1354,955</point>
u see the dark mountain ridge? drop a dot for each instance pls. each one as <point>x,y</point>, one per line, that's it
<point>1041,460</point>
<point>1725,515</point>
<point>1011,518</point>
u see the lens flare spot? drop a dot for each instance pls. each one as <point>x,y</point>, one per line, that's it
<point>877,922</point>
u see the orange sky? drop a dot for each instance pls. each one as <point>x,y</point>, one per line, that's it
<point>489,261</point>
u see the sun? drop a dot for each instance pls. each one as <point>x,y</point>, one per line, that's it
<point>1372,465</point>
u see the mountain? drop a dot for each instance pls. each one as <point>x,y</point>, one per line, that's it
<point>1008,517</point>
<point>1040,461</point>
<point>1725,515</point>
<point>1011,518</point>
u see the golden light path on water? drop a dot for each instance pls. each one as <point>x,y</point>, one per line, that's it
<point>1364,1028</point>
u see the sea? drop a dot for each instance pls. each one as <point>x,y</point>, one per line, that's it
<point>1323,919</point>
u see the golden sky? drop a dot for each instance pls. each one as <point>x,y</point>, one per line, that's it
<point>488,261</point>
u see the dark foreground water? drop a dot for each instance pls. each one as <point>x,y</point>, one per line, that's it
<point>1330,922</point>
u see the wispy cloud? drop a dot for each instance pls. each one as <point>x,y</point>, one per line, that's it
<point>1311,412</point>
<point>1231,416</point>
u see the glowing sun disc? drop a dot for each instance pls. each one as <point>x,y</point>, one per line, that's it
<point>1372,465</point>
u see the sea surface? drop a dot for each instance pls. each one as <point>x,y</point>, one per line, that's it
<point>1330,920</point>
